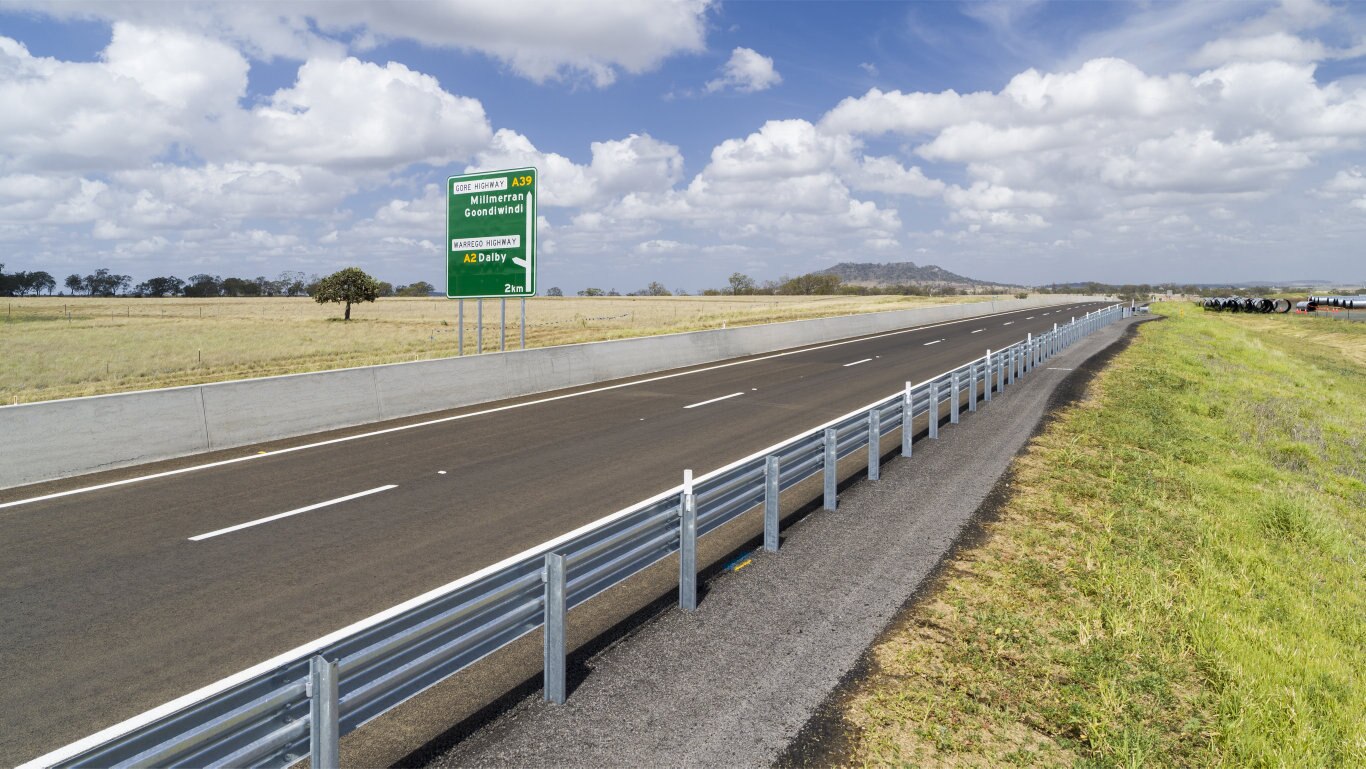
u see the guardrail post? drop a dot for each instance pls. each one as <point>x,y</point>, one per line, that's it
<point>687,547</point>
<point>986,382</point>
<point>907,420</point>
<point>831,443</point>
<point>972,386</point>
<point>1010,365</point>
<point>874,443</point>
<point>772,487</point>
<point>934,409</point>
<point>323,730</point>
<point>955,391</point>
<point>1029,352</point>
<point>554,628</point>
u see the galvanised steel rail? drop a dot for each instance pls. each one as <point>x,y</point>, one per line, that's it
<point>300,703</point>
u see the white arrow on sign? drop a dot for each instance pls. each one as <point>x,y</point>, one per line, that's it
<point>530,222</point>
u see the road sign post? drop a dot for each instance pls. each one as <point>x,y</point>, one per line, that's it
<point>491,234</point>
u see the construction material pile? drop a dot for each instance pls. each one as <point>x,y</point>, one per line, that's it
<point>1246,304</point>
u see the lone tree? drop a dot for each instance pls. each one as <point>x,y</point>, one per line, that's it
<point>348,285</point>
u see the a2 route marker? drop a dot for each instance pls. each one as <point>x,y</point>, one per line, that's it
<point>491,234</point>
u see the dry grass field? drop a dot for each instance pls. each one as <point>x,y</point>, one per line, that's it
<point>62,347</point>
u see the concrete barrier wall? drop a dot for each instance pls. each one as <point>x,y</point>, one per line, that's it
<point>56,439</point>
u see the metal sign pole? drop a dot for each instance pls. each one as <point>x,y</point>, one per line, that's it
<point>523,326</point>
<point>479,334</point>
<point>460,328</point>
<point>503,325</point>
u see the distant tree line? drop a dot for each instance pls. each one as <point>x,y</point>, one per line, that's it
<point>810,284</point>
<point>25,283</point>
<point>104,282</point>
<point>1141,291</point>
<point>820,283</point>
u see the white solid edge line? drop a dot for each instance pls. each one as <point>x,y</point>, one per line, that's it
<point>430,422</point>
<point>713,400</point>
<point>855,363</point>
<point>102,736</point>
<point>278,516</point>
<point>927,344</point>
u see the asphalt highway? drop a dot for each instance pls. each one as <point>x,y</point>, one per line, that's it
<point>118,598</point>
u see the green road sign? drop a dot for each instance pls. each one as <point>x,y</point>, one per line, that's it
<point>491,234</point>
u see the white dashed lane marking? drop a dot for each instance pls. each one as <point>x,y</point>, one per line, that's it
<point>713,400</point>
<point>278,516</point>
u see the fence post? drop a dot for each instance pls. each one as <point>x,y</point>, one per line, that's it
<point>323,731</point>
<point>554,628</point>
<point>954,393</point>
<point>972,386</point>
<point>907,420</point>
<point>874,443</point>
<point>831,443</point>
<point>772,487</point>
<point>934,409</point>
<point>687,547</point>
<point>986,381</point>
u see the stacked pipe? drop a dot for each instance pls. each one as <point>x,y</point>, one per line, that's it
<point>1246,304</point>
<point>1341,302</point>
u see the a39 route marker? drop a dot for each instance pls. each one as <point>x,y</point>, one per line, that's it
<point>491,234</point>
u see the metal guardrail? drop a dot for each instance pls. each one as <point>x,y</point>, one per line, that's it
<point>298,705</point>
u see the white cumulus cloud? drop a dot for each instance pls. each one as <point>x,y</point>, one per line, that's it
<point>747,71</point>
<point>537,39</point>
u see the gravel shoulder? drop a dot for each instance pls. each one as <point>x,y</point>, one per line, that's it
<point>741,679</point>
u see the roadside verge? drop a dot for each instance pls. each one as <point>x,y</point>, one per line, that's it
<point>1173,579</point>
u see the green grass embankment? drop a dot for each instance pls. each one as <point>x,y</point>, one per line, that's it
<point>1178,577</point>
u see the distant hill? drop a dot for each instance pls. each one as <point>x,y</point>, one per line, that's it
<point>899,273</point>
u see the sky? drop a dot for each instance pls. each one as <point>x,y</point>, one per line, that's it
<point>680,141</point>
